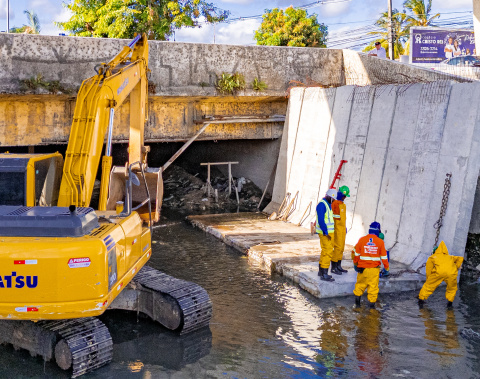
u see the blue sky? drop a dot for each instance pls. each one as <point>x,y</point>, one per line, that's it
<point>339,17</point>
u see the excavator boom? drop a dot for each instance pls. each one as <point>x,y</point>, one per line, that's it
<point>98,99</point>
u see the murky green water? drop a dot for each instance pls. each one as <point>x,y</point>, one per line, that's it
<point>265,327</point>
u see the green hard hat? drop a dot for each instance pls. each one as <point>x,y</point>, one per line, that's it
<point>345,190</point>
<point>381,236</point>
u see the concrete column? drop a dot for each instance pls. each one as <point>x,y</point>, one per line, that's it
<point>476,23</point>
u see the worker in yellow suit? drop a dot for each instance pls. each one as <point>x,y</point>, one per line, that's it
<point>324,227</point>
<point>339,210</point>
<point>441,267</point>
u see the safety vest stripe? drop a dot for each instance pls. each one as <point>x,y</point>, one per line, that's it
<point>335,216</point>
<point>357,254</point>
<point>384,257</point>
<point>370,258</point>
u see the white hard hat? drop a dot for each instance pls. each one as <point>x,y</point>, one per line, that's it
<point>332,193</point>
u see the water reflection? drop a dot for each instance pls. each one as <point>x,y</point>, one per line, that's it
<point>370,342</point>
<point>333,343</point>
<point>442,337</point>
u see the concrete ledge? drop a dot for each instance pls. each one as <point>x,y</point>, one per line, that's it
<point>291,251</point>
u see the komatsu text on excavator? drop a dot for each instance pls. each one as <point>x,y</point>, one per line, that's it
<point>63,263</point>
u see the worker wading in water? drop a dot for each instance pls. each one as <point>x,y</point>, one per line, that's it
<point>441,267</point>
<point>368,255</point>
<point>324,227</point>
<point>339,210</point>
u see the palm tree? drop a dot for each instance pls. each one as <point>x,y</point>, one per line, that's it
<point>399,32</point>
<point>420,14</point>
<point>33,26</point>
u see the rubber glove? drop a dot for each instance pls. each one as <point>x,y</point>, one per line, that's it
<point>355,268</point>
<point>384,273</point>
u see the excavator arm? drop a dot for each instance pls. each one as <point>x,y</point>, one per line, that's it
<point>98,98</point>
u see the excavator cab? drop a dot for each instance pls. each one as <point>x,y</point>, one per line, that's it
<point>30,179</point>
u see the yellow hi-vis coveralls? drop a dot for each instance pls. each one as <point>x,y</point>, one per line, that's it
<point>441,267</point>
<point>369,254</point>
<point>339,210</point>
<point>326,242</point>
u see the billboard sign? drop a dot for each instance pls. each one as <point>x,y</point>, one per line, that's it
<point>434,45</point>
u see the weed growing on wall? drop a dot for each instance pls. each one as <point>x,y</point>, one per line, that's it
<point>259,85</point>
<point>36,82</point>
<point>229,84</point>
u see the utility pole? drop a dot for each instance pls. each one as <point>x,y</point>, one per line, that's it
<point>390,31</point>
<point>8,16</point>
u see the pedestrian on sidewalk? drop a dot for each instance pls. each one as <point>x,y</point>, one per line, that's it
<point>441,267</point>
<point>339,210</point>
<point>368,255</point>
<point>324,227</point>
<point>379,51</point>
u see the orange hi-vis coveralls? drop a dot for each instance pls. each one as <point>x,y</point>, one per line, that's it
<point>441,267</point>
<point>369,253</point>
<point>339,210</point>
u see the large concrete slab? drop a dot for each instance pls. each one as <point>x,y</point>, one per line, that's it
<point>291,251</point>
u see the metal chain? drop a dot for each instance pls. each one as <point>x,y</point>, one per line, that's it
<point>438,225</point>
<point>446,193</point>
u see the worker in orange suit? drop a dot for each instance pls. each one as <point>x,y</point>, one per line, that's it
<point>441,267</point>
<point>325,229</point>
<point>368,255</point>
<point>339,210</point>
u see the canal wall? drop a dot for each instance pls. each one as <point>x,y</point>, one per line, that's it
<point>399,141</point>
<point>40,75</point>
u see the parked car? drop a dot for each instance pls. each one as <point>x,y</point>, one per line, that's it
<point>466,65</point>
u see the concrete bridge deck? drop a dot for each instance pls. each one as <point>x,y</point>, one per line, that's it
<point>293,252</point>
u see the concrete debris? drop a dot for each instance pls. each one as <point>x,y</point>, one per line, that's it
<point>184,190</point>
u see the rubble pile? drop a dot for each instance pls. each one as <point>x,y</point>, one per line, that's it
<point>471,265</point>
<point>183,190</point>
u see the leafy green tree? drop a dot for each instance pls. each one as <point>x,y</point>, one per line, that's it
<point>420,13</point>
<point>292,27</point>
<point>33,26</point>
<point>400,32</point>
<point>123,18</point>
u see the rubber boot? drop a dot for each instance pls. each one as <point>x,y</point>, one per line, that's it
<point>371,305</point>
<point>319,270</point>
<point>449,305</point>
<point>421,303</point>
<point>335,269</point>
<point>324,276</point>
<point>358,299</point>
<point>340,268</point>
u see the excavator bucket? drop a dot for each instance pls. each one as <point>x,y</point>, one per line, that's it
<point>117,190</point>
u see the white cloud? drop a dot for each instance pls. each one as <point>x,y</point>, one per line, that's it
<point>449,4</point>
<point>331,10</point>
<point>235,33</point>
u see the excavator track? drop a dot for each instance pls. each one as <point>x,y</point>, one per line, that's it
<point>194,304</point>
<point>85,344</point>
<point>82,345</point>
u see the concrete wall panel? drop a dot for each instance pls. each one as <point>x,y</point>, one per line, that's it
<point>395,172</point>
<point>378,137</point>
<point>423,165</point>
<point>311,151</point>
<point>355,148</point>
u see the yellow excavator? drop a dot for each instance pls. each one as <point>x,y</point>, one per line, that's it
<point>63,263</point>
